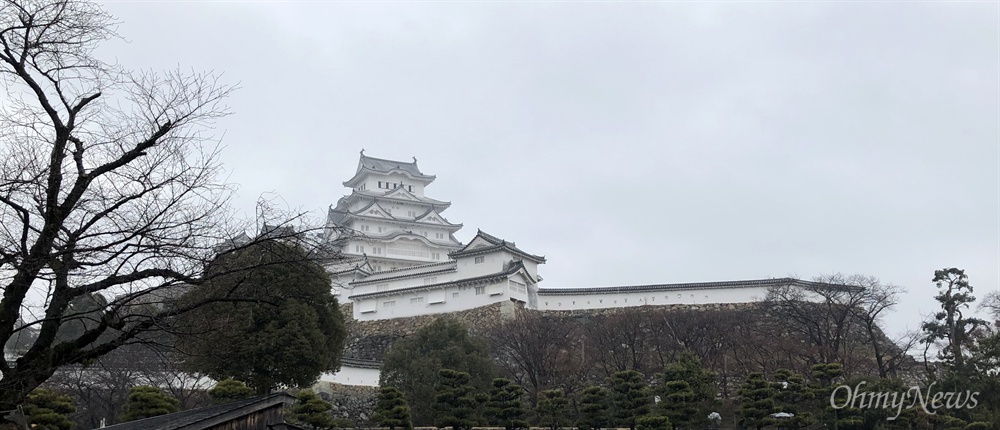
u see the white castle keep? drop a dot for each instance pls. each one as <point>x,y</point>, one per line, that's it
<point>402,259</point>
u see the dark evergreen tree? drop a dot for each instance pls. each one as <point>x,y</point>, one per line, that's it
<point>552,408</point>
<point>229,390</point>
<point>677,402</point>
<point>48,410</point>
<point>280,324</point>
<point>311,411</point>
<point>595,408</point>
<point>654,422</point>
<point>687,394</point>
<point>413,364</point>
<point>843,416</point>
<point>145,402</point>
<point>793,397</point>
<point>454,401</point>
<point>631,397</point>
<point>391,409</point>
<point>951,326</point>
<point>757,402</point>
<point>504,407</point>
<point>688,368</point>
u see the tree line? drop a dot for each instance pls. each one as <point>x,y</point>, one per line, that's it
<point>749,365</point>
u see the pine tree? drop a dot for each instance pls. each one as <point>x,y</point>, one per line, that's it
<point>950,325</point>
<point>504,407</point>
<point>413,364</point>
<point>552,408</point>
<point>677,402</point>
<point>455,400</point>
<point>631,397</point>
<point>48,410</point>
<point>822,389</point>
<point>229,390</point>
<point>793,397</point>
<point>756,401</point>
<point>595,408</point>
<point>311,410</point>
<point>688,391</point>
<point>391,409</point>
<point>653,422</point>
<point>145,402</point>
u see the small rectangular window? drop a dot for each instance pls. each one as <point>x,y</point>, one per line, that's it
<point>480,291</point>
<point>389,304</point>
<point>454,295</point>
<point>480,259</point>
<point>416,300</point>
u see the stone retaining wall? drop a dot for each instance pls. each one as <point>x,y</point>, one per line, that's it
<point>351,402</point>
<point>369,340</point>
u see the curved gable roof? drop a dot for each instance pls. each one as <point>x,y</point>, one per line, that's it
<point>384,166</point>
<point>493,243</point>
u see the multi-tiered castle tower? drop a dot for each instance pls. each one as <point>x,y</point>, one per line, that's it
<point>397,225</point>
<point>401,257</point>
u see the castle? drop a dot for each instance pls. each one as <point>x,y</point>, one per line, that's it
<point>402,259</point>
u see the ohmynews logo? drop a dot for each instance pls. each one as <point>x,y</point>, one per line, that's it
<point>856,398</point>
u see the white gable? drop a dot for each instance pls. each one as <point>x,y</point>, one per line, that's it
<point>376,211</point>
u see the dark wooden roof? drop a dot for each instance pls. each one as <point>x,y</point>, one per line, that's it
<point>203,418</point>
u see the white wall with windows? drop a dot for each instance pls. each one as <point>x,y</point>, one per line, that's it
<point>434,300</point>
<point>566,302</point>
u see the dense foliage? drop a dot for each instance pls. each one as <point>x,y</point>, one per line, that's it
<point>277,322</point>
<point>414,364</point>
<point>48,410</point>
<point>391,409</point>
<point>504,407</point>
<point>455,402</point>
<point>229,390</point>
<point>145,402</point>
<point>311,411</point>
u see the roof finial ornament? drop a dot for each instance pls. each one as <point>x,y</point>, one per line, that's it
<point>362,151</point>
<point>414,160</point>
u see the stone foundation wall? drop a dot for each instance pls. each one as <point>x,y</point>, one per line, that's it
<point>369,340</point>
<point>351,402</point>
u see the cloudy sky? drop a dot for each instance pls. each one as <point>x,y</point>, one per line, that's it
<point>629,143</point>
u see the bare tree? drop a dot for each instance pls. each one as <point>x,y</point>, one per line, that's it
<point>538,352</point>
<point>821,314</point>
<point>109,186</point>
<point>619,340</point>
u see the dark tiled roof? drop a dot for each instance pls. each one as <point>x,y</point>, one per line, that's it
<point>512,269</point>
<point>497,244</point>
<point>385,166</point>
<point>447,266</point>
<point>378,195</point>
<point>692,286</point>
<point>338,216</point>
<point>203,418</point>
<point>361,363</point>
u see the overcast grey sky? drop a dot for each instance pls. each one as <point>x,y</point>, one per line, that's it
<point>629,143</point>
